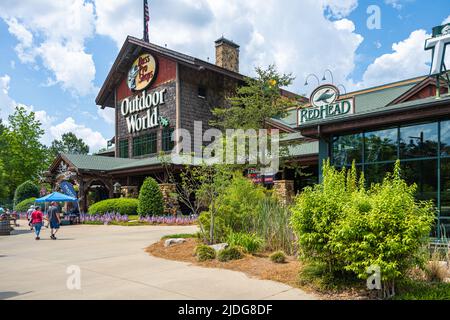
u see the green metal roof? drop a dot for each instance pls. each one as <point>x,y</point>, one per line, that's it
<point>97,163</point>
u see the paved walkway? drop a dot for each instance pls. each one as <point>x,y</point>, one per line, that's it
<point>114,265</point>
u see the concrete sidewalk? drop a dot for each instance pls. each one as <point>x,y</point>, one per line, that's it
<point>114,265</point>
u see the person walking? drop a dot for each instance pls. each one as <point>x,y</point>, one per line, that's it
<point>54,219</point>
<point>36,220</point>
<point>29,213</point>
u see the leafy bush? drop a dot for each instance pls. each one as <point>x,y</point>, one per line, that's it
<point>278,257</point>
<point>230,253</point>
<point>25,205</point>
<point>204,253</point>
<point>123,206</point>
<point>25,191</point>
<point>421,290</point>
<point>251,243</point>
<point>349,228</point>
<point>235,208</point>
<point>150,199</point>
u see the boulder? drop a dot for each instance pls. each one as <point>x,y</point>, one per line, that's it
<point>170,242</point>
<point>219,247</point>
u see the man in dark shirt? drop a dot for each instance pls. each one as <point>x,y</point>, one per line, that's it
<point>54,219</point>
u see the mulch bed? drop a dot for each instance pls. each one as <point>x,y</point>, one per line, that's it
<point>255,266</point>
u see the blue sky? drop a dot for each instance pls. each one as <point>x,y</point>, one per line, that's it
<point>55,55</point>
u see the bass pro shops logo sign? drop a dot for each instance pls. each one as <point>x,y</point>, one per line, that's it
<point>325,103</point>
<point>142,72</point>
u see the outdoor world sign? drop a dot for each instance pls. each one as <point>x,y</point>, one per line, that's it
<point>325,104</point>
<point>142,111</point>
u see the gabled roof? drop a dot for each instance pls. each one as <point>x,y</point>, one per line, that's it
<point>132,48</point>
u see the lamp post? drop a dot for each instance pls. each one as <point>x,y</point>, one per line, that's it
<point>324,78</point>
<point>312,75</point>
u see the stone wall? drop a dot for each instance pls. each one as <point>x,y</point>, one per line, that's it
<point>284,189</point>
<point>171,205</point>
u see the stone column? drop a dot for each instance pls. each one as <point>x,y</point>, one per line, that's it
<point>284,189</point>
<point>171,205</point>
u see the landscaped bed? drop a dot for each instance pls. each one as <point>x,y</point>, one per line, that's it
<point>258,266</point>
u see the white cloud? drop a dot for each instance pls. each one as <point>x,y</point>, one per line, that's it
<point>6,103</point>
<point>447,20</point>
<point>108,114</point>
<point>54,31</point>
<point>396,4</point>
<point>408,60</point>
<point>93,139</point>
<point>269,33</point>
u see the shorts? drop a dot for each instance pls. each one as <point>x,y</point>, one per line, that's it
<point>54,225</point>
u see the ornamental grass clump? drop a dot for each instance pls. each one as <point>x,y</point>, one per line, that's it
<point>204,253</point>
<point>230,253</point>
<point>349,228</point>
<point>250,242</point>
<point>278,257</point>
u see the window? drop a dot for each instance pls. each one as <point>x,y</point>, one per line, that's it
<point>374,173</point>
<point>145,144</point>
<point>424,175</point>
<point>202,92</point>
<point>346,149</point>
<point>124,149</point>
<point>445,139</point>
<point>167,142</point>
<point>381,145</point>
<point>419,141</point>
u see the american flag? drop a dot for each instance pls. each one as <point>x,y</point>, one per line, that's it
<point>146,21</point>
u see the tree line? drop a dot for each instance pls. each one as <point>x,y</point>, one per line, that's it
<point>23,157</point>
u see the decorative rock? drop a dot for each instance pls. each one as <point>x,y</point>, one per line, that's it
<point>219,247</point>
<point>169,242</point>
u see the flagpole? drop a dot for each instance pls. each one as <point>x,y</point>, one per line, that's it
<point>146,20</point>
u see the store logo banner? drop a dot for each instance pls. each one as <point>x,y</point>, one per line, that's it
<point>438,43</point>
<point>325,103</point>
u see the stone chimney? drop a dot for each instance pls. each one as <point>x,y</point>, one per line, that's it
<point>227,54</point>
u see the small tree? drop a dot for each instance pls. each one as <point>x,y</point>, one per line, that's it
<point>25,191</point>
<point>150,198</point>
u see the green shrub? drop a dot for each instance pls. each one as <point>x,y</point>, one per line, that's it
<point>121,205</point>
<point>278,257</point>
<point>150,199</point>
<point>204,253</point>
<point>349,228</point>
<point>180,236</point>
<point>25,191</point>
<point>235,208</point>
<point>25,205</point>
<point>230,253</point>
<point>251,243</point>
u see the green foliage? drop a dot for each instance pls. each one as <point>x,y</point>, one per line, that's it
<point>4,188</point>
<point>24,205</point>
<point>180,236</point>
<point>278,257</point>
<point>230,253</point>
<point>348,228</point>
<point>421,290</point>
<point>22,154</point>
<point>70,144</point>
<point>272,223</point>
<point>124,206</point>
<point>251,243</point>
<point>234,207</point>
<point>150,199</point>
<point>259,99</point>
<point>204,253</point>
<point>25,191</point>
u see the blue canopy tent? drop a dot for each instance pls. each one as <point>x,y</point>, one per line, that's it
<point>56,197</point>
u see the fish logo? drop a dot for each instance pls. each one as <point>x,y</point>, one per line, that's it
<point>142,72</point>
<point>324,95</point>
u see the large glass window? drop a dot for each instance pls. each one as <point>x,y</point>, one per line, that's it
<point>381,145</point>
<point>424,175</point>
<point>123,148</point>
<point>346,149</point>
<point>445,138</point>
<point>374,173</point>
<point>145,144</point>
<point>419,141</point>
